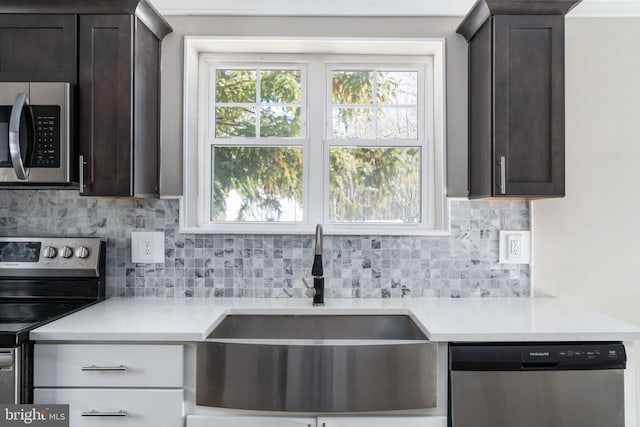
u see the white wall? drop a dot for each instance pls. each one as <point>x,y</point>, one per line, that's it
<point>587,245</point>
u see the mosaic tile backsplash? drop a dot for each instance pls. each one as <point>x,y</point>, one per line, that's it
<point>464,264</point>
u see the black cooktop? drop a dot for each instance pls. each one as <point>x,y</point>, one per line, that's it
<point>17,318</point>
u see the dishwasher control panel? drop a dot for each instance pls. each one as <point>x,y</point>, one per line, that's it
<point>543,356</point>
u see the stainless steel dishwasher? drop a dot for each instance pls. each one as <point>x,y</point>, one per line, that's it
<point>537,385</point>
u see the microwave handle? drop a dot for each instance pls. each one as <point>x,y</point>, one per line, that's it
<point>22,101</point>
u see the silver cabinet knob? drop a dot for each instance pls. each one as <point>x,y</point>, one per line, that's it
<point>49,252</point>
<point>66,252</point>
<point>82,252</point>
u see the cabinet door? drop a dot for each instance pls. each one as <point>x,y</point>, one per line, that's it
<point>105,104</point>
<point>248,421</point>
<point>383,421</point>
<point>529,105</point>
<point>36,48</point>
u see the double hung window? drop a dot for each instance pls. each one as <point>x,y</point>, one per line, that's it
<point>286,141</point>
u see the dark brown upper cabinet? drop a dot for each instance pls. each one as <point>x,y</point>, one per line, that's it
<point>119,102</point>
<point>37,48</point>
<point>516,97</point>
<point>119,98</point>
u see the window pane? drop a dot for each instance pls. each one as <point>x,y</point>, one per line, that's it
<point>235,86</point>
<point>353,87</point>
<point>283,122</point>
<point>280,86</point>
<point>401,123</point>
<point>235,121</point>
<point>353,123</point>
<point>374,184</point>
<point>397,87</point>
<point>254,184</point>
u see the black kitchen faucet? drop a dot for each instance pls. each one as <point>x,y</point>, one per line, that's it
<point>317,271</point>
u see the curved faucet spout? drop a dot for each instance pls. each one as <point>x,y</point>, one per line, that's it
<point>319,239</point>
<point>317,269</point>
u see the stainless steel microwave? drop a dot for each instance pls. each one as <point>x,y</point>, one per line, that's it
<point>35,133</point>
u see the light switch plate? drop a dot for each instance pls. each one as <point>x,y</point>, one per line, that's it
<point>147,247</point>
<point>515,247</point>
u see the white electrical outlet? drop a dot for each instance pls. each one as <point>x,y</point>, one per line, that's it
<point>515,247</point>
<point>147,247</point>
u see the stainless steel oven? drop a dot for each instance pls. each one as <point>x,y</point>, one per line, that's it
<point>41,279</point>
<point>35,133</point>
<point>9,374</point>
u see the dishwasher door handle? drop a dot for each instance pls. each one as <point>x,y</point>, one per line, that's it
<point>539,365</point>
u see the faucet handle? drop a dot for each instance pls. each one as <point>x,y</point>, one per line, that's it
<point>310,291</point>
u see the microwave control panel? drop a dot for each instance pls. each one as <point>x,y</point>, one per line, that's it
<point>46,150</point>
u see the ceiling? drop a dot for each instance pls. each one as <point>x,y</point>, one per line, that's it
<point>588,8</point>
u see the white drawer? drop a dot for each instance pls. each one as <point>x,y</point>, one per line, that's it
<point>117,407</point>
<point>108,365</point>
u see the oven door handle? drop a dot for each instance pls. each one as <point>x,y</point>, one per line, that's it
<point>6,359</point>
<point>21,103</point>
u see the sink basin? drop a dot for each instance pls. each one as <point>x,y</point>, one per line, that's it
<point>318,327</point>
<point>317,363</point>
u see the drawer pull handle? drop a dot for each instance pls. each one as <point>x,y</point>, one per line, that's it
<point>119,368</point>
<point>94,413</point>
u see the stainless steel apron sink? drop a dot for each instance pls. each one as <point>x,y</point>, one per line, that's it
<point>317,363</point>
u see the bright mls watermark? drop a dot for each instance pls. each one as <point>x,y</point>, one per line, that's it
<point>34,415</point>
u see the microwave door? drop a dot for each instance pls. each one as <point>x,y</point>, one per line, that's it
<point>5,156</point>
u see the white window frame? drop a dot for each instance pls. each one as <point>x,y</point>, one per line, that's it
<point>426,56</point>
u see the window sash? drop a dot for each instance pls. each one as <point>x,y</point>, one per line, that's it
<point>212,103</point>
<point>424,139</point>
<point>423,82</point>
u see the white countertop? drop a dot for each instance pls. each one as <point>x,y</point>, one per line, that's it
<point>184,320</point>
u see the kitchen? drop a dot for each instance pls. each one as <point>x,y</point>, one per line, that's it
<point>577,274</point>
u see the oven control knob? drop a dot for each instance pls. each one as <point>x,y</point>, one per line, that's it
<point>49,252</point>
<point>66,252</point>
<point>82,252</point>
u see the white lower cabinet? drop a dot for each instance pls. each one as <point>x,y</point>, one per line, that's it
<point>383,421</point>
<point>249,421</point>
<point>117,407</point>
<point>355,421</point>
<point>105,385</point>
